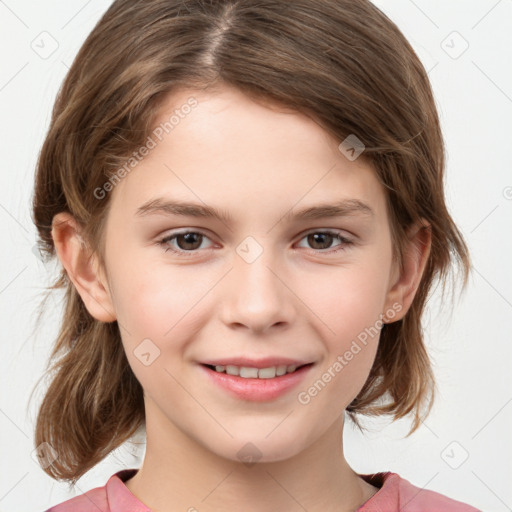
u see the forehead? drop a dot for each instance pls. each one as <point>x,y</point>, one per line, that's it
<point>224,149</point>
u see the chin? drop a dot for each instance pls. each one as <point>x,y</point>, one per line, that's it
<point>250,450</point>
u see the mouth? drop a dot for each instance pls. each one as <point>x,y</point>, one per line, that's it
<point>248,372</point>
<point>249,383</point>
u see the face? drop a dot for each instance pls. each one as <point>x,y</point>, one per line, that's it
<point>261,287</point>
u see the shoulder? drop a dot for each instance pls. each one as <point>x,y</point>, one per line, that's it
<point>94,500</point>
<point>398,494</point>
<point>111,497</point>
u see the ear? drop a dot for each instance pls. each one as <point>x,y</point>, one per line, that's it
<point>82,267</point>
<point>407,279</point>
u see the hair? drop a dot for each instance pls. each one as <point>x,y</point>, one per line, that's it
<point>344,64</point>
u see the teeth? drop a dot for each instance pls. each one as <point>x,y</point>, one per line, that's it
<point>256,373</point>
<point>249,373</point>
<point>267,373</point>
<point>232,370</point>
<point>281,370</point>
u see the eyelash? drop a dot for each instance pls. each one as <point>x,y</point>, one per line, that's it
<point>345,242</point>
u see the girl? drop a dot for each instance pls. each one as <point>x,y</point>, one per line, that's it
<point>246,197</point>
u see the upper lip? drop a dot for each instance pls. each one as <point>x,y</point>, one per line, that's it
<point>265,362</point>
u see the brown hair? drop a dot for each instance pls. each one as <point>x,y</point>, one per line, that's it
<point>341,62</point>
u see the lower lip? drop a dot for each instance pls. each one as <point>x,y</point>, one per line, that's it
<point>257,390</point>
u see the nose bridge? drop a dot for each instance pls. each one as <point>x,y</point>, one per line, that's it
<point>257,296</point>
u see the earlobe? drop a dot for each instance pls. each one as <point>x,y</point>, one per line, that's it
<point>81,267</point>
<point>415,258</point>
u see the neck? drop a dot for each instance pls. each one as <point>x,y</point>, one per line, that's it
<point>180,474</point>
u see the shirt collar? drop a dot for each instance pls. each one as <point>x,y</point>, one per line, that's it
<point>119,497</point>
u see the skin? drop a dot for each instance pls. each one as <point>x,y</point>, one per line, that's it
<point>296,299</point>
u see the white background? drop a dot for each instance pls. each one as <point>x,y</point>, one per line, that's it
<point>471,352</point>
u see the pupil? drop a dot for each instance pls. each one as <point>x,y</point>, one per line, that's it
<point>316,236</point>
<point>189,239</point>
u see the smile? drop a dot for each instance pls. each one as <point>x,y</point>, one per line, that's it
<point>256,384</point>
<point>247,372</point>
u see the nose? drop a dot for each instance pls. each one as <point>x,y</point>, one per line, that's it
<point>257,295</point>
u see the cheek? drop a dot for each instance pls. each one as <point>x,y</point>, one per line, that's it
<point>154,302</point>
<point>158,313</point>
<point>351,323</point>
<point>349,302</point>
<point>350,299</point>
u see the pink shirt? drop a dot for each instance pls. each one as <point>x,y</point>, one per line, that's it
<point>395,494</point>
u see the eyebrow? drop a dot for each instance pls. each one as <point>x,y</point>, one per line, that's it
<point>162,206</point>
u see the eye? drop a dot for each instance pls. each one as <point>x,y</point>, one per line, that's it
<point>320,239</point>
<point>187,242</point>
